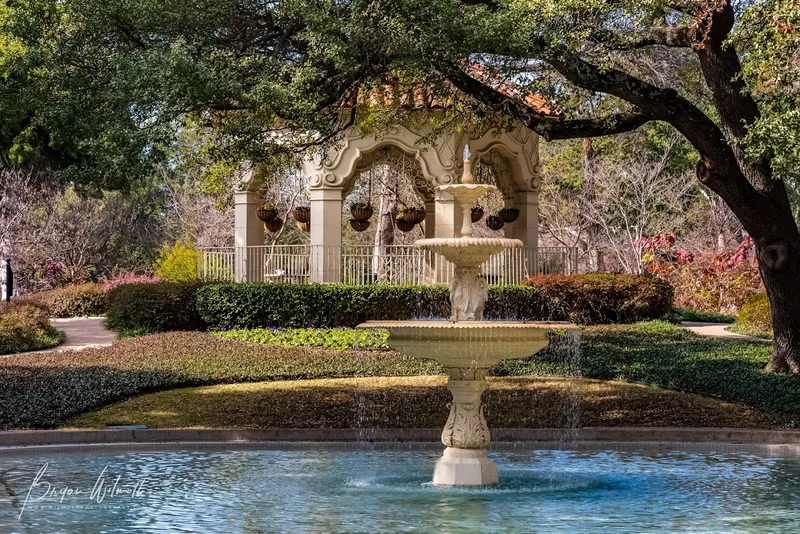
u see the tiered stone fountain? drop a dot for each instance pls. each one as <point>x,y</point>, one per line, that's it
<point>467,346</point>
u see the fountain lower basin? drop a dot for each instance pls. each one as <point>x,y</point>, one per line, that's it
<point>467,349</point>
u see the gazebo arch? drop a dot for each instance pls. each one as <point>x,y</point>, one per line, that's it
<point>330,176</point>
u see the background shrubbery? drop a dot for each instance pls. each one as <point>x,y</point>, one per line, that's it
<point>26,326</point>
<point>584,299</point>
<point>83,300</point>
<point>137,309</point>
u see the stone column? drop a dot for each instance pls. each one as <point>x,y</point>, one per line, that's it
<point>430,232</point>
<point>526,228</point>
<point>465,462</point>
<point>447,224</point>
<point>326,235</point>
<point>249,232</point>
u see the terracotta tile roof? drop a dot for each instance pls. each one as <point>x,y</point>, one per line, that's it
<point>419,96</point>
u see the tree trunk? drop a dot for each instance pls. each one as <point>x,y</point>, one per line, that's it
<point>592,229</point>
<point>779,263</point>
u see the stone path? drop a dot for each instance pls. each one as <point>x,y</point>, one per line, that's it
<point>81,333</point>
<point>84,332</point>
<point>717,330</point>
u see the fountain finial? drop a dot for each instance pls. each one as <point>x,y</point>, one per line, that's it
<point>467,178</point>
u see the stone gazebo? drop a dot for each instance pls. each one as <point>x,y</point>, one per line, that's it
<point>513,156</point>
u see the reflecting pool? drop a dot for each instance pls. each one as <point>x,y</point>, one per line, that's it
<point>328,490</point>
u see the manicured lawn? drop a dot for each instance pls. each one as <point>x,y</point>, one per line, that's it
<point>662,354</point>
<point>44,391</point>
<point>420,402</point>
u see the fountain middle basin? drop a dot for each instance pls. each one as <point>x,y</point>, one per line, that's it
<point>467,349</point>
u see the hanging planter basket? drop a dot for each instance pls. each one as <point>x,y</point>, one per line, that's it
<point>267,213</point>
<point>508,215</point>
<point>302,214</point>
<point>304,226</point>
<point>274,225</point>
<point>494,222</point>
<point>477,214</point>
<point>361,212</point>
<point>359,225</point>
<point>404,225</point>
<point>413,215</point>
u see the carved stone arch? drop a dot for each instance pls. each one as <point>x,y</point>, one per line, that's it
<point>336,167</point>
<point>521,148</point>
<point>249,181</point>
<point>398,159</point>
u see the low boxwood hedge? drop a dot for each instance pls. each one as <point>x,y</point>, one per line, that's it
<point>583,299</point>
<point>136,309</point>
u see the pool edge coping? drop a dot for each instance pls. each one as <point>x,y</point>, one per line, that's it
<point>15,440</point>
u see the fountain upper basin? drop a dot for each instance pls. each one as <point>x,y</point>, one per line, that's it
<point>468,344</point>
<point>468,251</point>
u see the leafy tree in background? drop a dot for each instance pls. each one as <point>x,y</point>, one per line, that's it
<point>114,82</point>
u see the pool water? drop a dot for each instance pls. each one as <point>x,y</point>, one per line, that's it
<point>325,490</point>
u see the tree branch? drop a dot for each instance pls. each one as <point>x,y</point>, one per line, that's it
<point>549,127</point>
<point>669,36</point>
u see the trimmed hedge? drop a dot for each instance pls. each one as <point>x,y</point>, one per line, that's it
<point>584,299</point>
<point>137,309</point>
<point>603,298</point>
<point>25,327</point>
<point>228,306</point>
<point>755,315</point>
<point>84,300</point>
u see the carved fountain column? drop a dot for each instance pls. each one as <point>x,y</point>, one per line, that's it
<point>465,460</point>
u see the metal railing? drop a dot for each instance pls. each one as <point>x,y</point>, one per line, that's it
<point>363,265</point>
<point>217,264</point>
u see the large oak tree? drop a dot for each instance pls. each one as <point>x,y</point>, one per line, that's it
<point>113,83</point>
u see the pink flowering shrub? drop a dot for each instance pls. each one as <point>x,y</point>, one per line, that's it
<point>719,283</point>
<point>128,278</point>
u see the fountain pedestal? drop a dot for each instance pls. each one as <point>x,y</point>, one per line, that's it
<point>466,434</point>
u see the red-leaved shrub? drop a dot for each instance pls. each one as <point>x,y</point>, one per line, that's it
<point>603,298</point>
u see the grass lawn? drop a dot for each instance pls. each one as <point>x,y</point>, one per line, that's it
<point>419,402</point>
<point>45,391</point>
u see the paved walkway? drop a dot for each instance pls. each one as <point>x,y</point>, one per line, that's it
<point>717,330</point>
<point>83,332</point>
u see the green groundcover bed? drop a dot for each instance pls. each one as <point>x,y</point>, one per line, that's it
<point>44,391</point>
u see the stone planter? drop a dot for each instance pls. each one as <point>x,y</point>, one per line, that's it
<point>508,215</point>
<point>267,215</point>
<point>477,214</point>
<point>361,214</point>
<point>302,214</point>
<point>359,225</point>
<point>495,223</point>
